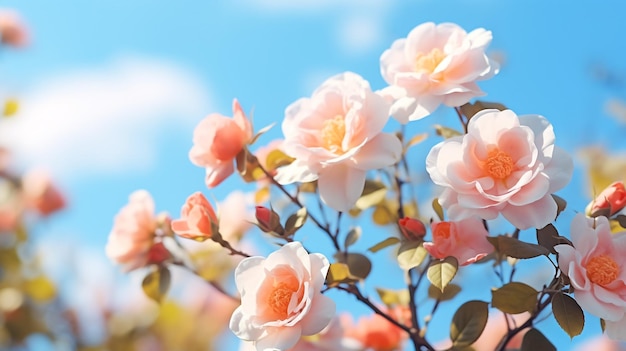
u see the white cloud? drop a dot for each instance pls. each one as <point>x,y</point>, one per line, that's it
<point>360,26</point>
<point>309,5</point>
<point>104,119</point>
<point>359,34</point>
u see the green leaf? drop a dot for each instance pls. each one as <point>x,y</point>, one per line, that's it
<point>393,297</point>
<point>560,204</point>
<point>549,237</point>
<point>353,236</point>
<point>392,240</point>
<point>373,193</point>
<point>295,221</point>
<point>360,266</point>
<point>516,248</point>
<point>277,158</point>
<point>469,110</point>
<point>514,298</point>
<point>261,132</point>
<point>440,273</point>
<point>156,284</point>
<point>416,139</point>
<point>437,208</point>
<point>468,323</point>
<point>446,132</point>
<point>568,314</point>
<point>449,292</point>
<point>535,341</point>
<point>411,254</point>
<point>339,273</point>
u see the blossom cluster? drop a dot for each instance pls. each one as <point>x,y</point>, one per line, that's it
<point>337,146</point>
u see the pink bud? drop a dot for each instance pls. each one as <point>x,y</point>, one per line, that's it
<point>411,228</point>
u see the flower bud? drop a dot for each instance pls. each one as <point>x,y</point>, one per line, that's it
<point>412,229</point>
<point>158,253</point>
<point>610,201</point>
<point>268,220</point>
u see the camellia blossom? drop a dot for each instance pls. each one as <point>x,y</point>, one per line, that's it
<point>197,218</point>
<point>13,31</point>
<point>376,333</point>
<point>133,232</point>
<point>506,165</point>
<point>216,142</point>
<point>336,137</point>
<point>433,65</point>
<point>281,297</point>
<point>465,240</point>
<point>596,267</point>
<point>41,194</point>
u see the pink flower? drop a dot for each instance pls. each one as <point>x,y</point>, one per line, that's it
<point>336,137</point>
<point>331,338</point>
<point>235,216</point>
<point>13,32</point>
<point>596,267</point>
<point>197,218</point>
<point>612,200</point>
<point>465,240</point>
<point>601,343</point>
<point>133,232</point>
<point>281,298</point>
<point>216,142</point>
<point>378,334</point>
<point>504,164</point>
<point>435,64</point>
<point>41,194</point>
<point>496,329</point>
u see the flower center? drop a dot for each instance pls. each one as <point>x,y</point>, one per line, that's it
<point>602,270</point>
<point>499,164</point>
<point>428,62</point>
<point>442,230</point>
<point>332,134</point>
<point>280,297</point>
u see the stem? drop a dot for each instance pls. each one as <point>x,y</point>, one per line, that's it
<point>460,114</point>
<point>297,202</point>
<point>541,305</point>
<point>417,340</point>
<point>213,284</point>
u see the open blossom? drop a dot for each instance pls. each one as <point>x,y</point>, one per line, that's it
<point>465,240</point>
<point>612,200</point>
<point>133,232</point>
<point>376,333</point>
<point>433,65</point>
<point>331,338</point>
<point>216,142</point>
<point>506,165</point>
<point>596,267</point>
<point>281,297</point>
<point>13,31</point>
<point>336,137</point>
<point>41,194</point>
<point>197,216</point>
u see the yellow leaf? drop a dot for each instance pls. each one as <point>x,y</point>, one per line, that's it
<point>40,289</point>
<point>11,107</point>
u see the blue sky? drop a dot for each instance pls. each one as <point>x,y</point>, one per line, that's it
<point>111,90</point>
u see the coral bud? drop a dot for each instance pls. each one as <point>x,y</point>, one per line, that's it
<point>268,220</point>
<point>610,201</point>
<point>411,228</point>
<point>158,253</point>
